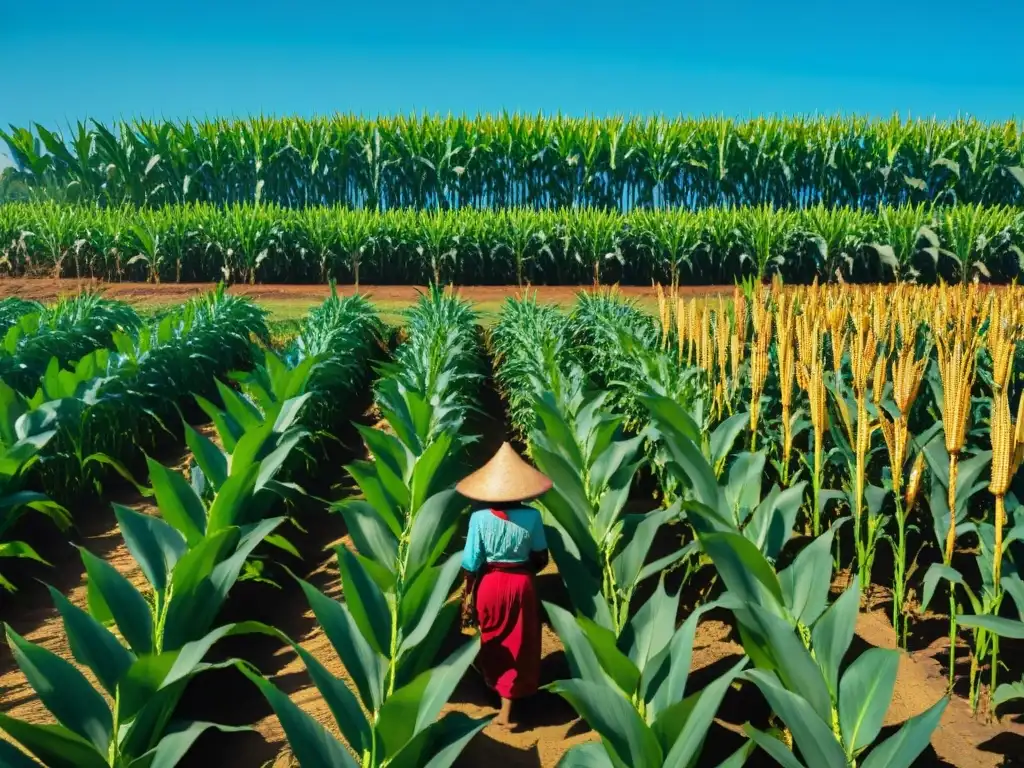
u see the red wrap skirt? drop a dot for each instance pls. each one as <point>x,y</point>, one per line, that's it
<point>509,620</point>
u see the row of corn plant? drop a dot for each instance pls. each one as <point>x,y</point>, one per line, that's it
<point>67,330</point>
<point>898,403</point>
<point>581,443</point>
<point>117,404</point>
<point>795,641</point>
<point>266,243</point>
<point>204,540</point>
<point>191,555</point>
<point>25,431</point>
<point>629,680</point>
<point>506,160</point>
<point>397,579</point>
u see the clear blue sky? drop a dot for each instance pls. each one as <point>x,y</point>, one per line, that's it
<point>64,60</point>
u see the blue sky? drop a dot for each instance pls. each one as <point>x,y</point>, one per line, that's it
<point>64,61</point>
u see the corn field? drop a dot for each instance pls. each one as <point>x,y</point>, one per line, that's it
<point>269,244</point>
<point>511,161</point>
<point>789,457</point>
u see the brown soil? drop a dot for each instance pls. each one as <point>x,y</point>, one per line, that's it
<point>43,289</point>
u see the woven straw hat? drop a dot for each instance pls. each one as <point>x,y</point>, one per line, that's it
<point>503,479</point>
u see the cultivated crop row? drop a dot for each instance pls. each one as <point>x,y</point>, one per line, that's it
<point>632,659</point>
<point>266,243</point>
<point>398,578</point>
<point>208,528</point>
<point>75,418</point>
<point>522,161</point>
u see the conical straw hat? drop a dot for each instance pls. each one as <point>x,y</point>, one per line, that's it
<point>505,478</point>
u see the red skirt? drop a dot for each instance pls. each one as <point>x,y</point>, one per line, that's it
<point>509,619</point>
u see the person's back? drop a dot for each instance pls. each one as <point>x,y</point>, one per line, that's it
<point>505,547</point>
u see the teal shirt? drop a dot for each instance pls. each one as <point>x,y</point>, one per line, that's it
<point>491,539</point>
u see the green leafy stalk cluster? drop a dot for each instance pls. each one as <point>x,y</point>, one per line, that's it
<point>191,555</point>
<point>247,243</point>
<point>517,160</point>
<point>397,580</point>
<point>794,638</point>
<point>123,400</point>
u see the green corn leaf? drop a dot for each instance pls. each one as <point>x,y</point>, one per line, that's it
<point>580,653</point>
<point>20,549</point>
<point>617,665</point>
<point>343,705</point>
<point>864,696</point>
<point>583,587</point>
<point>680,436</point>
<point>904,747</point>
<point>739,757</point>
<point>651,629</point>
<point>664,677</point>
<point>778,751</point>
<point>806,582</point>
<point>723,437</point>
<point>432,529</point>
<point>773,521</point>
<point>439,744</point>
<point>229,506</point>
<point>154,545</point>
<point>309,741</point>
<point>413,707</point>
<point>64,691</point>
<point>389,450</point>
<point>366,602</point>
<point>997,625</point>
<point>178,502</point>
<point>790,660</point>
<point>812,736</point>
<point>141,682</point>
<point>425,471</point>
<point>228,429</point>
<point>179,740</point>
<point>417,613</point>
<point>92,644</point>
<point>832,634</point>
<point>613,500</point>
<point>624,734</point>
<point>743,489</point>
<point>682,728</point>
<point>567,485</point>
<point>639,532</point>
<point>271,464</point>
<point>744,570</point>
<point>12,757</point>
<point>191,589</point>
<point>371,535</point>
<point>239,408</point>
<point>574,520</point>
<point>1008,692</point>
<point>366,667</point>
<point>417,660</point>
<point>384,504</point>
<point>211,459</point>
<point>54,745</point>
<point>114,595</point>
<point>935,573</point>
<point>591,755</point>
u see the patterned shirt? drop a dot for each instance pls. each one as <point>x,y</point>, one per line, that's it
<point>491,539</point>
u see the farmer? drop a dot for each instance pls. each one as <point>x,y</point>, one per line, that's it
<point>505,547</point>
